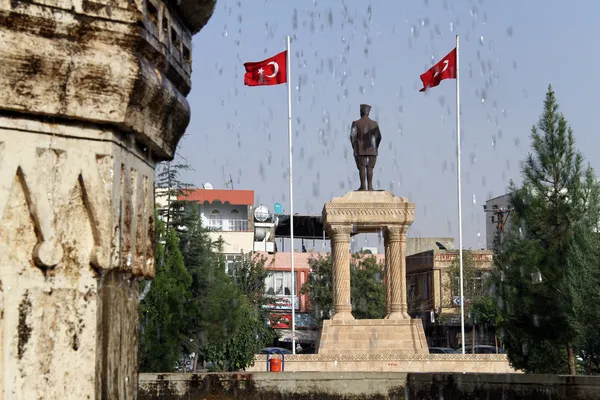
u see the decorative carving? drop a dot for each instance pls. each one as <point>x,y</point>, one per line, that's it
<point>116,196</point>
<point>369,209</point>
<point>386,357</point>
<point>396,233</point>
<point>339,232</point>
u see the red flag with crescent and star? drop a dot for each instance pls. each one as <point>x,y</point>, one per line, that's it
<point>271,71</point>
<point>445,69</point>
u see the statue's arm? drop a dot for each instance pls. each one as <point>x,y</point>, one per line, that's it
<point>377,136</point>
<point>353,134</point>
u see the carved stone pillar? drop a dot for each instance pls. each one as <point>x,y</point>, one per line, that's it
<point>388,285</point>
<point>93,95</point>
<point>340,258</point>
<point>395,243</point>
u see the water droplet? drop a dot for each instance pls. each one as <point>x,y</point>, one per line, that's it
<point>493,140</point>
<point>481,40</point>
<point>474,199</point>
<point>509,31</point>
<point>451,27</point>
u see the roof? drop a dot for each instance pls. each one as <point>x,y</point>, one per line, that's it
<point>233,197</point>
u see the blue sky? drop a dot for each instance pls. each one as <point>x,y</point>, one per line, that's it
<point>343,55</point>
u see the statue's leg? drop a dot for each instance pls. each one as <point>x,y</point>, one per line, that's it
<point>361,171</point>
<point>370,166</point>
<point>360,164</point>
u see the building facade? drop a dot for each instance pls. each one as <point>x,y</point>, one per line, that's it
<point>228,215</point>
<point>433,294</point>
<point>497,218</point>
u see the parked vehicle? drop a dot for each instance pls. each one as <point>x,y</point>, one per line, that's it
<point>276,350</point>
<point>441,350</point>
<point>482,349</point>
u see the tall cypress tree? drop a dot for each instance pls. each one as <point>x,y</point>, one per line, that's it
<point>549,251</point>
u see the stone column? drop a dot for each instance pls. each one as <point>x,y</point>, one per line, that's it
<point>395,243</point>
<point>340,259</point>
<point>93,95</point>
<point>388,284</point>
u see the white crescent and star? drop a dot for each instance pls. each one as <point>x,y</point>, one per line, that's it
<point>275,70</point>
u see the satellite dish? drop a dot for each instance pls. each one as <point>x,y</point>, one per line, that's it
<point>208,186</point>
<point>261,213</point>
<point>277,208</point>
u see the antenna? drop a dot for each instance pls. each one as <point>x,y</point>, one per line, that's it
<point>229,182</point>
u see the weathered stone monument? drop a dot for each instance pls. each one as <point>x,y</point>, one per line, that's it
<point>363,212</point>
<point>93,95</point>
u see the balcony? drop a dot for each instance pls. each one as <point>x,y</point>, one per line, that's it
<point>228,225</point>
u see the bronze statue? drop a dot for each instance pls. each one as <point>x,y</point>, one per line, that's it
<point>365,137</point>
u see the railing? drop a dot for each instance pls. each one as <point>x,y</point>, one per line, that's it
<point>233,225</point>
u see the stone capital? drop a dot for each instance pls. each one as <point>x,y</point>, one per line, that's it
<point>395,233</point>
<point>339,233</point>
<point>121,64</point>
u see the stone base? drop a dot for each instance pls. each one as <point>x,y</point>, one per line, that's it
<point>372,336</point>
<point>421,363</point>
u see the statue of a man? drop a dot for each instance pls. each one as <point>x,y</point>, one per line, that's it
<point>365,137</point>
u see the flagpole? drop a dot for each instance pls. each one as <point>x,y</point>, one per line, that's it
<point>294,294</point>
<point>460,244</point>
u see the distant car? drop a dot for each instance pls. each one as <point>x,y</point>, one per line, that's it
<point>441,350</point>
<point>276,350</point>
<point>482,349</point>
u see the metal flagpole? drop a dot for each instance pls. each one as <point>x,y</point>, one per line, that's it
<point>460,245</point>
<point>293,291</point>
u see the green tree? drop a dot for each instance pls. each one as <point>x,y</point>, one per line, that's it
<point>237,353</point>
<point>474,284</point>
<point>162,311</point>
<point>367,287</point>
<point>547,264</point>
<point>214,310</point>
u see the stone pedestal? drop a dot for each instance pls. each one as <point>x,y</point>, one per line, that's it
<point>93,95</point>
<point>363,212</point>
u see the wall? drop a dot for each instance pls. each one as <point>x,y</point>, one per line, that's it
<point>367,386</point>
<point>416,245</point>
<point>269,386</point>
<point>235,242</point>
<point>502,386</point>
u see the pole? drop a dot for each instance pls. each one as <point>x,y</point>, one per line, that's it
<point>293,291</point>
<point>460,244</point>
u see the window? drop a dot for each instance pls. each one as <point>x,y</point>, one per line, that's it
<point>425,286</point>
<point>236,223</point>
<point>279,283</point>
<point>152,12</point>
<point>215,222</point>
<point>230,260</point>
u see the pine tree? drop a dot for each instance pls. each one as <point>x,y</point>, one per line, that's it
<point>162,312</point>
<point>549,251</point>
<point>214,310</point>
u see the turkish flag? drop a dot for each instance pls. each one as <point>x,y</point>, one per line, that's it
<point>445,69</point>
<point>271,71</point>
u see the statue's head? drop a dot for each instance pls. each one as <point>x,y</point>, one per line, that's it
<point>364,110</point>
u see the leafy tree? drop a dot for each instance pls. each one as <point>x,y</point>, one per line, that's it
<point>162,311</point>
<point>367,289</point>
<point>319,287</point>
<point>214,310</point>
<point>248,275</point>
<point>547,264</point>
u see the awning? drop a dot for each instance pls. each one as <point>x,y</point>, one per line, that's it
<point>302,336</point>
<point>305,227</point>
